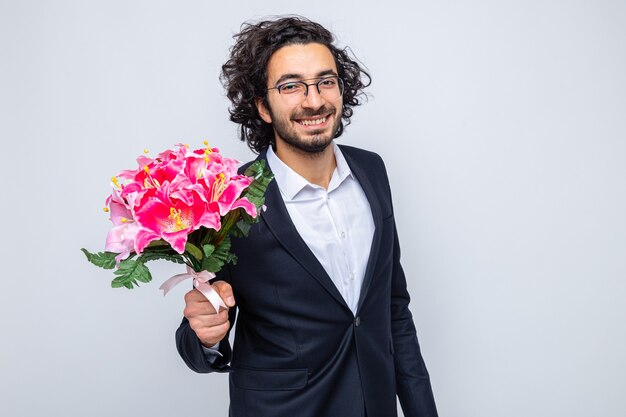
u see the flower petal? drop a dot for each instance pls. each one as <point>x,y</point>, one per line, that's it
<point>177,240</point>
<point>245,204</point>
<point>143,239</point>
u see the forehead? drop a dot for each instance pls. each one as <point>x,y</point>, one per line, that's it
<point>305,61</point>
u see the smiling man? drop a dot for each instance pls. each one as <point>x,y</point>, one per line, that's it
<point>318,294</point>
<point>304,123</point>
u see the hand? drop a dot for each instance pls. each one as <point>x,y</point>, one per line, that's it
<point>209,326</point>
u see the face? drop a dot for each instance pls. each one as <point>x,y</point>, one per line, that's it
<point>311,125</point>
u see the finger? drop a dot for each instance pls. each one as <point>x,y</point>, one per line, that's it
<point>216,319</point>
<point>195,296</point>
<point>225,291</point>
<point>209,331</point>
<point>201,308</point>
<point>213,334</point>
<point>210,320</point>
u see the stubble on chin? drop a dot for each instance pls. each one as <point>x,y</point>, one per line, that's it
<point>313,145</point>
<point>312,148</point>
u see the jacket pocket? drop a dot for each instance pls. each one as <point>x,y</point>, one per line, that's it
<point>269,380</point>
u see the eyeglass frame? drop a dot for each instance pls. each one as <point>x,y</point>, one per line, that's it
<point>306,86</point>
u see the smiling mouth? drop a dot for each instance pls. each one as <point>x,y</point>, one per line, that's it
<point>313,122</point>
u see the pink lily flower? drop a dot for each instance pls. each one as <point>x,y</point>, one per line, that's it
<point>171,219</point>
<point>121,238</point>
<point>224,194</point>
<point>222,184</point>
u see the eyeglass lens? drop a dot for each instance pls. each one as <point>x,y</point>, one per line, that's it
<point>331,88</point>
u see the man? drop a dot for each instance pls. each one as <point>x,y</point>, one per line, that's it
<point>323,324</point>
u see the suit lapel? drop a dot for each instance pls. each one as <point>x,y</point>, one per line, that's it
<point>359,172</point>
<point>279,222</point>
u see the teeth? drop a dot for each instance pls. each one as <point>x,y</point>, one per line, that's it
<point>313,122</point>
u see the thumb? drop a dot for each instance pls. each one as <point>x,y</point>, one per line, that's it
<point>225,291</point>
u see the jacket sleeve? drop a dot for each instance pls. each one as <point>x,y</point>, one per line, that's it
<point>189,346</point>
<point>412,380</point>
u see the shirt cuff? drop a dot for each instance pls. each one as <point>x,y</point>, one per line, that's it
<point>212,353</point>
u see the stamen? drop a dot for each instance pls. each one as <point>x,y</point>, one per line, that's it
<point>219,187</point>
<point>175,215</point>
<point>149,182</point>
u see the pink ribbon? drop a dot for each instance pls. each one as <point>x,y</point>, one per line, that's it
<point>201,283</point>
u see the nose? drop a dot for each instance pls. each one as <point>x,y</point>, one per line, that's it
<point>313,99</point>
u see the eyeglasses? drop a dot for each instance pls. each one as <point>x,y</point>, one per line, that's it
<point>295,92</point>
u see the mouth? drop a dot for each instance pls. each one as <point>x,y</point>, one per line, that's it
<point>316,122</point>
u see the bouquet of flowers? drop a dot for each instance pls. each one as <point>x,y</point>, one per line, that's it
<point>181,206</point>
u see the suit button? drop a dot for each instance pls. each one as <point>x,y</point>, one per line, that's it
<point>357,321</point>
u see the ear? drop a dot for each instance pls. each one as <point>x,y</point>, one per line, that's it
<point>263,110</point>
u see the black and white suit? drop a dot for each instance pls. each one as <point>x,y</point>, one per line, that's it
<point>299,351</point>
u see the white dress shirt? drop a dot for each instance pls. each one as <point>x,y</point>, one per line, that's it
<point>336,223</point>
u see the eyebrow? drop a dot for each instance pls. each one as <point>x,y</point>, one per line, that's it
<point>286,77</point>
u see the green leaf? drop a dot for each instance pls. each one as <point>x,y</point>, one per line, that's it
<point>194,251</point>
<point>129,272</point>
<point>104,260</point>
<point>222,251</point>
<point>212,264</point>
<point>219,257</point>
<point>158,243</point>
<point>116,283</point>
<point>243,227</point>
<point>257,169</point>
<point>208,249</point>
<point>263,176</point>
<point>153,256</point>
<point>255,193</point>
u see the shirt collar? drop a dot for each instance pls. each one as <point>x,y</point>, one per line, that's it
<point>291,183</point>
<point>342,171</point>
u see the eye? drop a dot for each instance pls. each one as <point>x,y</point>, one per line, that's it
<point>328,82</point>
<point>290,88</point>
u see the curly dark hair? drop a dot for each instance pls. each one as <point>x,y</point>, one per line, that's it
<point>244,75</point>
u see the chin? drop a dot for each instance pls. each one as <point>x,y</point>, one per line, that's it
<point>306,140</point>
<point>313,146</point>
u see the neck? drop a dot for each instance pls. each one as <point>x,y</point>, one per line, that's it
<point>316,168</point>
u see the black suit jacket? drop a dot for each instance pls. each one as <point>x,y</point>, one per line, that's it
<point>299,351</point>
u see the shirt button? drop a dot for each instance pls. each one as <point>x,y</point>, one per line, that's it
<point>352,275</point>
<point>343,235</point>
<point>357,321</point>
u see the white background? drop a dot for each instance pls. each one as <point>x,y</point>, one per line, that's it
<point>503,127</point>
